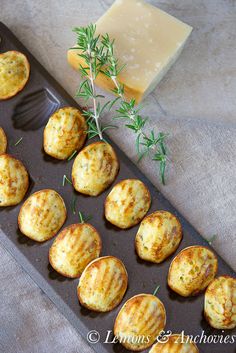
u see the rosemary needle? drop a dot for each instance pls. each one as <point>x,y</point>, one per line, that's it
<point>156,289</point>
<point>72,155</point>
<point>18,141</point>
<point>73,205</point>
<point>82,217</point>
<point>65,179</point>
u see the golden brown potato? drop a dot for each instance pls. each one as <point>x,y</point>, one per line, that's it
<point>74,248</point>
<point>95,168</point>
<point>14,73</point>
<point>103,284</point>
<point>140,321</point>
<point>14,180</point>
<point>158,236</point>
<point>64,133</point>
<point>220,303</point>
<point>42,215</point>
<point>3,141</point>
<point>175,344</point>
<point>192,270</point>
<point>127,203</point>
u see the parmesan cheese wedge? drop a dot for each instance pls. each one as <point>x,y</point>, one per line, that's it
<point>147,40</point>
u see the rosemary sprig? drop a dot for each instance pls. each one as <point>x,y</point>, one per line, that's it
<point>98,55</point>
<point>83,218</point>
<point>144,143</point>
<point>95,56</point>
<point>66,179</point>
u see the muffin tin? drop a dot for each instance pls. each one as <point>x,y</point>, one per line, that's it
<point>24,116</point>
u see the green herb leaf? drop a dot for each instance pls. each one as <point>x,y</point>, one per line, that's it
<point>73,205</point>
<point>137,144</point>
<point>141,155</point>
<point>65,179</point>
<point>83,218</point>
<point>156,289</point>
<point>72,155</point>
<point>162,171</point>
<point>18,141</point>
<point>106,127</point>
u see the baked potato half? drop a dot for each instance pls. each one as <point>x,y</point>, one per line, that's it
<point>140,321</point>
<point>3,141</point>
<point>127,203</point>
<point>175,343</point>
<point>192,270</point>
<point>220,303</point>
<point>42,215</point>
<point>74,248</point>
<point>95,168</point>
<point>15,70</point>
<point>64,133</point>
<point>103,284</point>
<point>158,236</point>
<point>14,180</point>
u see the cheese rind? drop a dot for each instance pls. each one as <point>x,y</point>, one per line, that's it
<point>147,40</point>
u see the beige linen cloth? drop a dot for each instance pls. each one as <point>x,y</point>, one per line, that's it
<point>201,179</point>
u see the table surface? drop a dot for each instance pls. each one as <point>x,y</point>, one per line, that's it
<point>194,103</point>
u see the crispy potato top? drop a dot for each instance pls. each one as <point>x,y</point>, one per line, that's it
<point>220,303</point>
<point>42,215</point>
<point>127,203</point>
<point>14,180</point>
<point>14,73</point>
<point>103,284</point>
<point>75,247</point>
<point>140,321</point>
<point>175,344</point>
<point>192,270</point>
<point>158,236</point>
<point>95,168</point>
<point>3,141</point>
<point>64,133</point>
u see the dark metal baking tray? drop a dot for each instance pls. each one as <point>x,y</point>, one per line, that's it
<point>41,96</point>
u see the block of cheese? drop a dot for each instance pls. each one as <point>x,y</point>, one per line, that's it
<point>147,40</point>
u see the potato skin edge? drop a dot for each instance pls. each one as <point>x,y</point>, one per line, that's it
<point>49,253</point>
<point>99,193</point>
<point>199,291</point>
<point>206,316</point>
<point>129,346</point>
<point>44,139</point>
<point>126,285</point>
<point>21,163</point>
<point>179,335</point>
<point>137,221</point>
<point>19,217</point>
<point>5,140</point>
<point>158,262</point>
<point>28,71</point>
